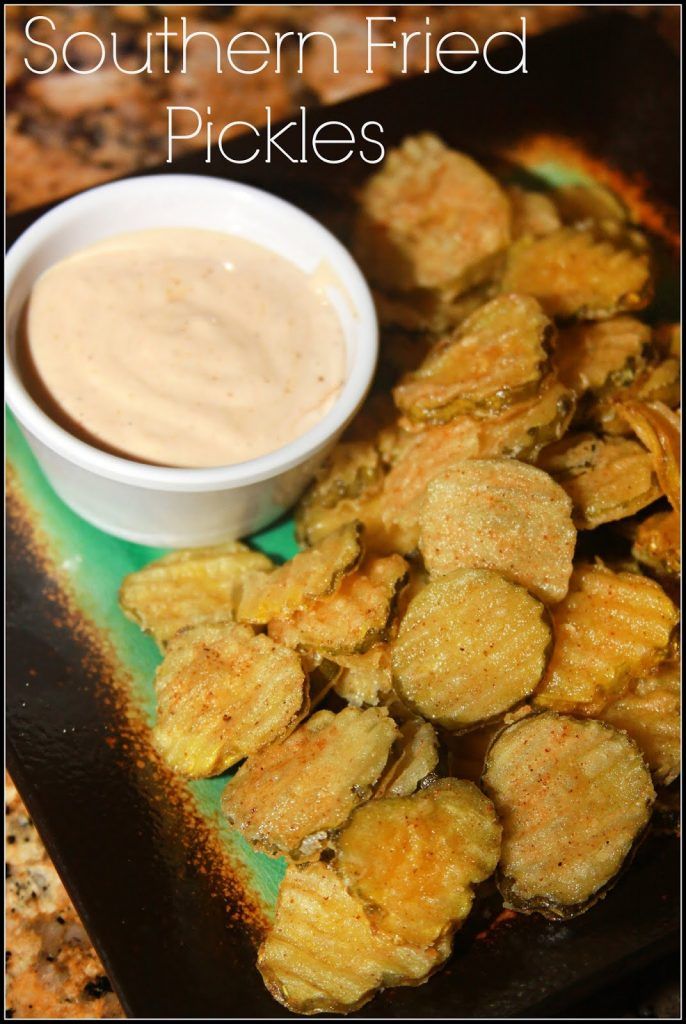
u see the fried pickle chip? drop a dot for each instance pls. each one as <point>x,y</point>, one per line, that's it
<point>575,273</point>
<point>365,678</point>
<point>573,797</point>
<point>610,628</point>
<point>605,354</point>
<point>351,470</point>
<point>321,955</point>
<point>288,797</point>
<point>416,758</point>
<point>659,428</point>
<point>521,432</point>
<point>309,574</point>
<point>650,712</point>
<point>503,515</point>
<point>656,382</point>
<point>430,218</point>
<point>657,543</point>
<point>222,693</point>
<point>496,358</point>
<point>413,861</point>
<point>533,213</point>
<point>354,617</point>
<point>470,646</point>
<point>187,588</point>
<point>606,478</point>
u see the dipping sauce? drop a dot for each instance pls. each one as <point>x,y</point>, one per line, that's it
<point>182,347</point>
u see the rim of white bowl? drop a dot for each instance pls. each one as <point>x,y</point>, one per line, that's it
<point>115,467</point>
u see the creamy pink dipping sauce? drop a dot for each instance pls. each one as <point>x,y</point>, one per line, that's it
<point>184,347</point>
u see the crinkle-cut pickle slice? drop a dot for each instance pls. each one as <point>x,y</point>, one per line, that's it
<point>503,515</point>
<point>611,627</point>
<point>470,646</point>
<point>189,587</point>
<point>656,382</point>
<point>289,796</point>
<point>352,470</point>
<point>414,760</point>
<point>496,358</point>
<point>573,796</point>
<point>650,712</point>
<point>659,428</point>
<point>365,678</point>
<point>521,432</point>
<point>413,861</point>
<point>321,955</point>
<point>606,478</point>
<point>352,619</point>
<point>608,353</point>
<point>431,218</point>
<point>222,693</point>
<point>657,543</point>
<point>309,574</point>
<point>574,273</point>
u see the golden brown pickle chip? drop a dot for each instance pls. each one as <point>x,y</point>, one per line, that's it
<point>430,218</point>
<point>606,478</point>
<point>657,543</point>
<point>495,359</point>
<point>189,587</point>
<point>310,574</point>
<point>352,619</point>
<point>533,213</point>
<point>657,382</point>
<point>503,515</point>
<point>365,678</point>
<point>605,354</point>
<point>288,797</point>
<point>650,712</point>
<point>413,861</point>
<point>610,628</point>
<point>521,432</point>
<point>470,646</point>
<point>659,428</point>
<point>352,469</point>
<point>573,798</point>
<point>415,759</point>
<point>574,273</point>
<point>222,693</point>
<point>321,954</point>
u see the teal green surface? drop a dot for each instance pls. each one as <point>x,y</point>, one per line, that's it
<point>95,563</point>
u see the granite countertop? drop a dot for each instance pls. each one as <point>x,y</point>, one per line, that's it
<point>65,133</point>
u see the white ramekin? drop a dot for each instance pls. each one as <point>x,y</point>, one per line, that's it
<point>179,507</point>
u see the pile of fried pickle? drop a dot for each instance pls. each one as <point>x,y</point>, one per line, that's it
<point>484,599</point>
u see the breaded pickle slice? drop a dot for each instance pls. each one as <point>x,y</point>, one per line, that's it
<point>607,353</point>
<point>503,515</point>
<point>365,678</point>
<point>309,574</point>
<point>521,432</point>
<point>611,627</point>
<point>496,358</point>
<point>222,693</point>
<point>321,954</point>
<point>352,470</point>
<point>187,588</point>
<point>606,478</point>
<point>289,796</point>
<point>470,646</point>
<point>533,213</point>
<point>430,218</point>
<point>650,712</point>
<point>657,543</point>
<point>659,428</point>
<point>356,616</point>
<point>415,758</point>
<point>413,861</point>
<point>573,797</point>
<point>576,273</point>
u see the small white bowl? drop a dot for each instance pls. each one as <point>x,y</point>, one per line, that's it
<point>186,507</point>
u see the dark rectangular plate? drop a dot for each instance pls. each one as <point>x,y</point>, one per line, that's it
<point>166,895</point>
